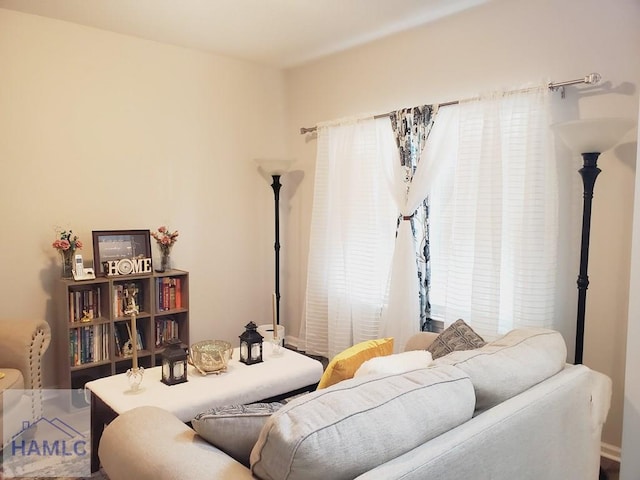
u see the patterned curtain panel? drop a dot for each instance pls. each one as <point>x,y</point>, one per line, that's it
<point>411,128</point>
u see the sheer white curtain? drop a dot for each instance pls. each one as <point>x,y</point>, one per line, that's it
<point>401,316</point>
<point>494,217</point>
<point>352,236</point>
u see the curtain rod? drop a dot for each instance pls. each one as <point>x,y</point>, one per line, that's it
<point>590,79</point>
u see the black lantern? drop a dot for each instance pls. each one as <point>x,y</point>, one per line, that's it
<point>250,345</point>
<point>174,363</point>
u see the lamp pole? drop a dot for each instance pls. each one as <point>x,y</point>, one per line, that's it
<point>276,246</point>
<point>589,172</point>
<point>275,168</point>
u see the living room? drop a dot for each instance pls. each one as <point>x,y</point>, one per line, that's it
<point>106,131</point>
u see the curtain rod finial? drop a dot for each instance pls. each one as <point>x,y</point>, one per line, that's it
<point>592,78</point>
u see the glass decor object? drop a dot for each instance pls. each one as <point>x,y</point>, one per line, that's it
<point>165,239</point>
<point>174,363</point>
<point>210,356</point>
<point>67,263</point>
<point>250,345</point>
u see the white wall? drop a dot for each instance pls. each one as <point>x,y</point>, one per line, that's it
<point>630,465</point>
<point>103,131</point>
<point>499,44</point>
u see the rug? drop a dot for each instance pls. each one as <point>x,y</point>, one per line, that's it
<point>99,475</point>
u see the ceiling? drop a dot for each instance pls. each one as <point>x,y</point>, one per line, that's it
<point>279,33</point>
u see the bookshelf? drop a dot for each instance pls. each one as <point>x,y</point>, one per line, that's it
<point>92,328</point>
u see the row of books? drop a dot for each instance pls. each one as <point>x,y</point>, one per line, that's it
<point>88,344</point>
<point>85,305</point>
<point>122,337</point>
<point>166,329</point>
<point>169,293</point>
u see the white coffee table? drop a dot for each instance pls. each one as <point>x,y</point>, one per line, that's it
<point>277,377</point>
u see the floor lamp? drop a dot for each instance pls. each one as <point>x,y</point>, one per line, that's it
<point>589,138</point>
<point>275,169</point>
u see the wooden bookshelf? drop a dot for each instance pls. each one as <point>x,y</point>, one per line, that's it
<point>92,327</point>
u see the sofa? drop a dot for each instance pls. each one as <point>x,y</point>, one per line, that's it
<point>22,346</point>
<point>511,409</point>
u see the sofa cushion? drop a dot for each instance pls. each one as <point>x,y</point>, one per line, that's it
<point>396,363</point>
<point>342,431</point>
<point>511,364</point>
<point>344,365</point>
<point>457,336</point>
<point>234,429</point>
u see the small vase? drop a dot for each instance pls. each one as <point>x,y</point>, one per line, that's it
<point>165,263</point>
<point>165,260</point>
<point>67,263</point>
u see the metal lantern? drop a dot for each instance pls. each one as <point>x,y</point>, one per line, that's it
<point>250,345</point>
<point>174,363</point>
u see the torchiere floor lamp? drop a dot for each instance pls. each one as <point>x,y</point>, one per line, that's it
<point>589,138</point>
<point>276,168</point>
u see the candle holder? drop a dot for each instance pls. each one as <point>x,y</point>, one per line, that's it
<point>134,376</point>
<point>135,373</point>
<point>274,337</point>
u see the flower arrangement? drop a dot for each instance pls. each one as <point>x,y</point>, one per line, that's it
<point>66,244</point>
<point>165,239</point>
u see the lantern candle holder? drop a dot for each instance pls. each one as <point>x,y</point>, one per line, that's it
<point>250,345</point>
<point>174,363</point>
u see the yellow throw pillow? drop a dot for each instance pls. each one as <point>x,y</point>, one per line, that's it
<point>344,365</point>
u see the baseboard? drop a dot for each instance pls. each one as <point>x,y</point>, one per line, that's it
<point>610,451</point>
<point>292,341</point>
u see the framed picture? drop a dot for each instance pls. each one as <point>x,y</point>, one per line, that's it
<point>118,244</point>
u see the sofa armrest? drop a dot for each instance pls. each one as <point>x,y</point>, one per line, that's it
<point>22,344</point>
<point>420,341</point>
<point>149,443</point>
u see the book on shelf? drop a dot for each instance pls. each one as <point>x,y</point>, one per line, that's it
<point>85,305</point>
<point>166,329</point>
<point>169,293</point>
<point>88,344</point>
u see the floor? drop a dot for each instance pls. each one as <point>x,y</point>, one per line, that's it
<point>611,468</point>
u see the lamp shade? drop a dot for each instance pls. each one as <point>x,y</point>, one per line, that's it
<point>275,166</point>
<point>594,135</point>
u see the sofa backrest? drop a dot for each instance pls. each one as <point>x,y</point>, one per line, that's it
<point>346,429</point>
<point>509,365</point>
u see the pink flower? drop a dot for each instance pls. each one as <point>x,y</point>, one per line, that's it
<point>164,237</point>
<point>61,244</point>
<point>67,242</point>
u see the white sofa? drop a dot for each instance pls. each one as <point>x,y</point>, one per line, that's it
<point>509,410</point>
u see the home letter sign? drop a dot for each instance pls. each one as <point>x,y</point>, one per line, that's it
<point>127,266</point>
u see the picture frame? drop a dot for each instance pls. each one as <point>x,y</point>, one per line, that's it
<point>117,245</point>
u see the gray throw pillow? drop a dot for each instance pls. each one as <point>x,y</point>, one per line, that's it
<point>457,336</point>
<point>234,429</point>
